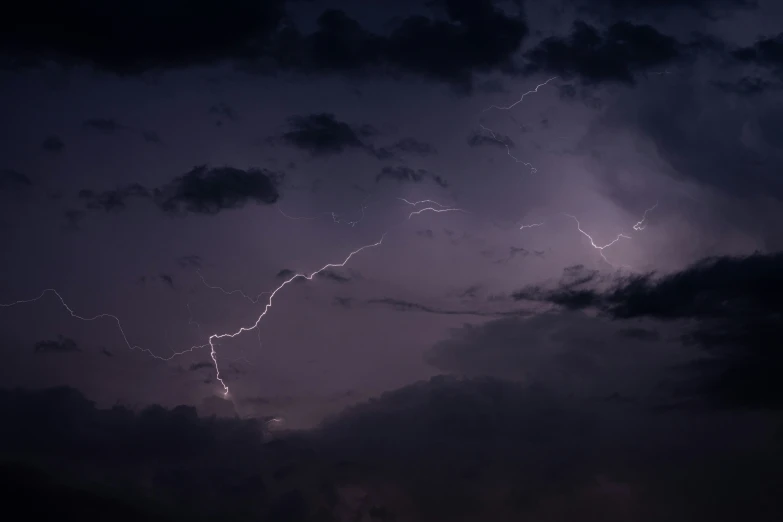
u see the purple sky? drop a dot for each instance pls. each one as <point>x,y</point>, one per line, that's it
<point>677,113</point>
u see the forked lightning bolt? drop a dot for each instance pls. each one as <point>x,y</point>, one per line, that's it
<point>592,242</point>
<point>213,337</point>
<point>532,225</point>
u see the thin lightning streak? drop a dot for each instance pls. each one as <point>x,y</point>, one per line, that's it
<point>101,316</point>
<point>592,242</point>
<point>641,225</point>
<point>232,292</point>
<point>531,225</point>
<point>293,218</point>
<point>415,203</point>
<point>533,170</point>
<point>433,209</point>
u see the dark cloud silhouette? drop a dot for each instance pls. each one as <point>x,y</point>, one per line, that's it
<point>729,307</point>
<point>322,135</point>
<point>403,174</point>
<point>614,55</point>
<point>209,190</point>
<point>476,37</point>
<point>128,41</point>
<point>167,279</point>
<point>222,111</point>
<point>765,52</point>
<point>61,345</point>
<point>201,366</point>
<point>408,306</point>
<point>13,180</point>
<point>332,275</point>
<point>53,144</point>
<point>707,8</point>
<point>748,86</point>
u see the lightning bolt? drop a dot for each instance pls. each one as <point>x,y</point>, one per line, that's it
<point>531,225</point>
<point>592,241</point>
<point>641,225</point>
<point>232,292</point>
<point>533,170</point>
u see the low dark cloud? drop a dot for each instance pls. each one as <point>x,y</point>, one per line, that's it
<point>151,137</point>
<point>403,174</point>
<point>334,276</point>
<point>202,366</point>
<point>222,111</point>
<point>748,86</point>
<point>401,305</point>
<point>323,135</point>
<point>167,279</point>
<point>616,54</point>
<point>11,179</point>
<point>765,52</point>
<point>210,190</point>
<point>61,345</point>
<point>53,144</point>
<point>707,8</point>
<point>730,307</point>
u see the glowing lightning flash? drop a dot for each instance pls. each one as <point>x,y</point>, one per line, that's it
<point>592,242</point>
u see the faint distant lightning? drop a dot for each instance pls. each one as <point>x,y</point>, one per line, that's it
<point>441,208</point>
<point>592,242</point>
<point>101,316</point>
<point>420,202</point>
<point>641,225</point>
<point>293,218</point>
<point>520,98</point>
<point>533,170</point>
<point>253,300</point>
<point>531,225</point>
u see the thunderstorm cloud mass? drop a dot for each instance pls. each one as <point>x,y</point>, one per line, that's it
<point>391,261</point>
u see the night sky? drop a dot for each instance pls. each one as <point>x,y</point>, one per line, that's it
<point>459,259</point>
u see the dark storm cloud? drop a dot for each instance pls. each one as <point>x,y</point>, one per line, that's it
<point>13,180</point>
<point>113,200</point>
<point>104,125</point>
<point>476,37</point>
<point>209,190</point>
<point>479,139</point>
<point>323,134</point>
<point>613,55</point>
<point>136,37</point>
<point>461,447</point>
<point>53,144</point>
<point>706,8</point>
<point>765,52</point>
<point>201,366</point>
<point>733,305</point>
<point>105,351</point>
<point>640,333</point>
<point>61,345</point>
<point>403,174</point>
<point>167,279</point>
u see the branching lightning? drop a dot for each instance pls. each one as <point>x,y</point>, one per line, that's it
<point>592,241</point>
<point>641,225</point>
<point>533,170</point>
